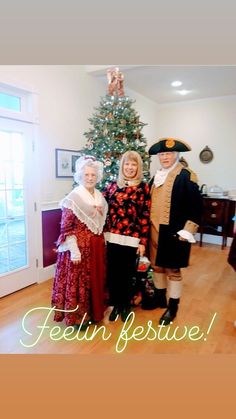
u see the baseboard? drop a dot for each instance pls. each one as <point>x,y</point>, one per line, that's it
<point>209,238</point>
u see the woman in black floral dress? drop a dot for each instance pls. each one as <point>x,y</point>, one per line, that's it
<point>126,230</point>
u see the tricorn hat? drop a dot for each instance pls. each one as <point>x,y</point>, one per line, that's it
<point>168,144</point>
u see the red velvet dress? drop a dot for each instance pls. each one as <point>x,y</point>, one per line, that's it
<point>81,284</point>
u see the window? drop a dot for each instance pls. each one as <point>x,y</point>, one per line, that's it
<point>18,103</point>
<point>10,102</point>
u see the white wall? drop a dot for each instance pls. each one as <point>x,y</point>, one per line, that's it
<point>210,122</point>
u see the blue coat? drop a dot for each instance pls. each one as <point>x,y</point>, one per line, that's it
<point>185,205</point>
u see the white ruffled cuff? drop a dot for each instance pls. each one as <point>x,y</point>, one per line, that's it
<point>186,235</point>
<point>71,244</point>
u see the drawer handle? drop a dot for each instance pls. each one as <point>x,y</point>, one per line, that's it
<point>214,204</point>
<point>213,215</point>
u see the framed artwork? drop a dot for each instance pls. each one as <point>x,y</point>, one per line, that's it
<point>65,162</point>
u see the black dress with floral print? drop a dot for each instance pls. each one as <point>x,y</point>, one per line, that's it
<point>129,210</point>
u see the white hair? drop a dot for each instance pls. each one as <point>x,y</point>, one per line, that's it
<point>87,161</point>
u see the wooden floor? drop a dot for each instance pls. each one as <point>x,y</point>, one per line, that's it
<point>204,323</point>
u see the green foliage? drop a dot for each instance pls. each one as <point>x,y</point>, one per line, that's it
<point>115,128</point>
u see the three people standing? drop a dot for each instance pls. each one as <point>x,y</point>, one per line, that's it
<point>171,214</point>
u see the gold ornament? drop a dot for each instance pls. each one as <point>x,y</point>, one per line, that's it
<point>105,130</point>
<point>90,145</point>
<point>107,162</point>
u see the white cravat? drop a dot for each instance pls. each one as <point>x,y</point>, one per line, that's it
<point>162,174</point>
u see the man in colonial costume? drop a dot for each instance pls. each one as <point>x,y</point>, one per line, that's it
<point>176,207</point>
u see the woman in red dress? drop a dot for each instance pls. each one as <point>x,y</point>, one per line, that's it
<point>78,289</point>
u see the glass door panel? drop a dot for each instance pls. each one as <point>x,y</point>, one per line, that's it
<point>16,206</point>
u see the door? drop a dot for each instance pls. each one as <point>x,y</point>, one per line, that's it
<point>17,206</point>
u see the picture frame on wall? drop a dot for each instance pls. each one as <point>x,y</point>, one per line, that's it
<point>65,162</point>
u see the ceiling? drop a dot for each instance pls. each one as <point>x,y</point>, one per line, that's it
<point>154,82</point>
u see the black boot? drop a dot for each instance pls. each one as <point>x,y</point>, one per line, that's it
<point>124,313</point>
<point>115,312</point>
<point>170,313</point>
<point>161,297</point>
<point>152,301</point>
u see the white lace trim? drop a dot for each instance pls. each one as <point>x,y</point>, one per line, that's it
<point>186,235</point>
<point>89,222</point>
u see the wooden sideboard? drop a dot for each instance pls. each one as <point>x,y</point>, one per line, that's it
<point>217,218</point>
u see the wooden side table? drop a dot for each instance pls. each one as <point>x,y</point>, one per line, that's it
<point>216,218</point>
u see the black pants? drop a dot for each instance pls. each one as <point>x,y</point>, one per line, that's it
<point>121,266</point>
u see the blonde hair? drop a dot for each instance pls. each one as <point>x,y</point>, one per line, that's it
<point>130,155</point>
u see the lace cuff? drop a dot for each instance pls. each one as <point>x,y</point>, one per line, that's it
<point>71,244</point>
<point>186,235</point>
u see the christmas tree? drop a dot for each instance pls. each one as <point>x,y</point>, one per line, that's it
<point>116,128</point>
